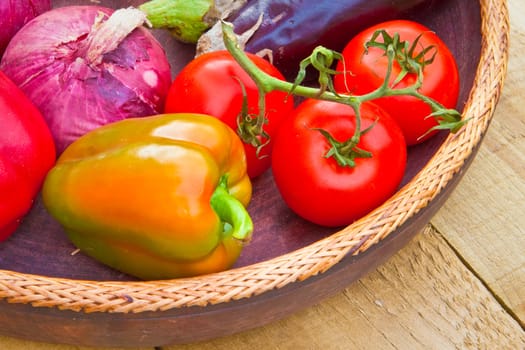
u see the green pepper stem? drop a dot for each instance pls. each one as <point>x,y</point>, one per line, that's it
<point>231,211</point>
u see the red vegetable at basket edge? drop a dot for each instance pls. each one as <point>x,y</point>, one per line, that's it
<point>27,152</point>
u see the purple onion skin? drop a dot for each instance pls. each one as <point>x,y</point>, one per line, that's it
<point>292,29</point>
<point>47,60</point>
<point>15,14</point>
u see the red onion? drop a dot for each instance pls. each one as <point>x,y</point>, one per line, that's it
<point>83,69</point>
<point>16,13</point>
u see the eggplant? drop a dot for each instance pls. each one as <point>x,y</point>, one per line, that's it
<point>291,29</point>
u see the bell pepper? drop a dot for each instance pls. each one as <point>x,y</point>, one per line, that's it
<point>157,197</point>
<point>27,152</point>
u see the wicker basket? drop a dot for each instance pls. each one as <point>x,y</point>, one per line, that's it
<point>314,259</point>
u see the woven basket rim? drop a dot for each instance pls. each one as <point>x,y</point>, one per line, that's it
<point>123,296</point>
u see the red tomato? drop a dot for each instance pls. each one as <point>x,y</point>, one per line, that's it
<point>367,71</point>
<point>318,188</point>
<point>27,152</point>
<point>211,84</point>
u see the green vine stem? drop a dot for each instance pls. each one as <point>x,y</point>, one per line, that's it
<point>322,59</point>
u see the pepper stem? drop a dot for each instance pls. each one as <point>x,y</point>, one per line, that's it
<point>231,211</point>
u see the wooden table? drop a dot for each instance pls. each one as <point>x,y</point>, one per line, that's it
<point>460,284</point>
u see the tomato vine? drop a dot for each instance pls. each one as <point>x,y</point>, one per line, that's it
<point>322,59</point>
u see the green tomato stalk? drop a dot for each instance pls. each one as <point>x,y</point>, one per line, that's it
<point>322,59</point>
<point>187,20</point>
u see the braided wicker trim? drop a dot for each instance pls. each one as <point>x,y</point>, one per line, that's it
<point>125,297</point>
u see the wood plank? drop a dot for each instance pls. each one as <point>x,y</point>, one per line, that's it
<point>484,217</point>
<point>390,309</point>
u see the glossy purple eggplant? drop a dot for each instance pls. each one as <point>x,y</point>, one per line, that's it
<point>291,29</point>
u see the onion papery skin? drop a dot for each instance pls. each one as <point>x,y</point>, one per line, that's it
<point>47,59</point>
<point>15,13</point>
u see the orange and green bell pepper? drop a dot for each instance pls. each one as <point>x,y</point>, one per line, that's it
<point>156,197</point>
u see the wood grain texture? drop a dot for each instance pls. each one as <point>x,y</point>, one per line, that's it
<point>484,217</point>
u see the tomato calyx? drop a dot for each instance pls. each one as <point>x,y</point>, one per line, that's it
<point>250,127</point>
<point>404,53</point>
<point>345,153</point>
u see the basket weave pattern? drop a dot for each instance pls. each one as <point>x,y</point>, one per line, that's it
<point>125,297</point>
